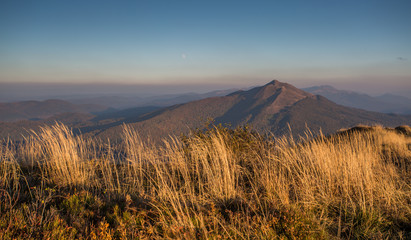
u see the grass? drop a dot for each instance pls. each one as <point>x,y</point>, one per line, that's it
<point>215,184</point>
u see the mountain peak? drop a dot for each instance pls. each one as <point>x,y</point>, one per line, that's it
<point>277,84</point>
<point>273,82</point>
<point>276,88</point>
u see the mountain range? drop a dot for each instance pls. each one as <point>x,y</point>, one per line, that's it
<point>35,110</point>
<point>387,103</point>
<point>275,107</point>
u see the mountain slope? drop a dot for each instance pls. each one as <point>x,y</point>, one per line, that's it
<point>319,113</point>
<point>386,103</point>
<point>271,107</point>
<point>177,119</point>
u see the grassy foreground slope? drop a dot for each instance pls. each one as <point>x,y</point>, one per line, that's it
<point>215,184</point>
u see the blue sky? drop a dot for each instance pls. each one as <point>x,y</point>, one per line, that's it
<point>349,44</point>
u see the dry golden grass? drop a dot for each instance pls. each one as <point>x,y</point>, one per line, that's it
<point>221,183</point>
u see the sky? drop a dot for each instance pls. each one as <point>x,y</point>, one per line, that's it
<point>362,45</point>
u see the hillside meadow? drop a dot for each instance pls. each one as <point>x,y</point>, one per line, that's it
<point>212,184</point>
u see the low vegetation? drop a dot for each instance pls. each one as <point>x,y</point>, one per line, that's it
<point>213,184</point>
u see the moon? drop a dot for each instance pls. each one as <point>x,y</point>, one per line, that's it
<point>183,56</point>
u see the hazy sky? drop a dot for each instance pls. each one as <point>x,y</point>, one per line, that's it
<point>357,44</point>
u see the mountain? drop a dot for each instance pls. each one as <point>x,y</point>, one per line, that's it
<point>27,110</point>
<point>387,103</point>
<point>272,107</point>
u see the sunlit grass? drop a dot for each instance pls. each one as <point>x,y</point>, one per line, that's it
<point>219,183</point>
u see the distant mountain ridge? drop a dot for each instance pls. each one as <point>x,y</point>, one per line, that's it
<point>27,110</point>
<point>124,102</point>
<point>387,103</point>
